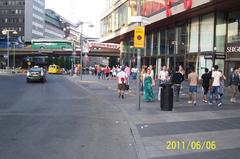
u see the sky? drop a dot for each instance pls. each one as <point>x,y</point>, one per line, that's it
<point>83,10</point>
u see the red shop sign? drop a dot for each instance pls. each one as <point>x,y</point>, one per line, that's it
<point>152,6</point>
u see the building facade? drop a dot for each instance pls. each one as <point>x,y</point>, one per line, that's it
<point>197,33</point>
<point>24,16</point>
<point>53,25</point>
<point>34,19</point>
<point>12,16</point>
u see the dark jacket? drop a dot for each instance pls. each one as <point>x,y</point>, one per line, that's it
<point>206,77</point>
<point>177,78</point>
<point>234,79</point>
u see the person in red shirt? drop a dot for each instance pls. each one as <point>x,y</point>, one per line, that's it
<point>107,72</point>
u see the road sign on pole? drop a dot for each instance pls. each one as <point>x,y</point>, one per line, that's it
<point>139,33</point>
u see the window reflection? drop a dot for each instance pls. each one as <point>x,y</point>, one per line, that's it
<point>234,27</point>
<point>220,32</point>
<point>207,32</point>
<point>171,41</point>
<point>194,35</point>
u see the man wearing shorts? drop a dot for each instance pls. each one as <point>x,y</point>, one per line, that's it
<point>193,81</point>
<point>121,82</point>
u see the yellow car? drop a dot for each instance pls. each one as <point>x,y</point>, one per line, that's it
<point>54,69</point>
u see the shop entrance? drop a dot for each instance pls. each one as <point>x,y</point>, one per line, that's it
<point>230,66</point>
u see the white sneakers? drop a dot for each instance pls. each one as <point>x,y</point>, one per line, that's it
<point>190,102</point>
<point>205,101</point>
<point>232,100</point>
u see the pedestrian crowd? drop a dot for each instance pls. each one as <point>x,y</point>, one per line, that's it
<point>212,82</point>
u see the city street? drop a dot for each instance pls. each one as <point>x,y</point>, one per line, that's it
<point>74,119</point>
<point>129,79</point>
<point>59,120</point>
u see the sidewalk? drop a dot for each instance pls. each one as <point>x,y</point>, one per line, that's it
<point>187,132</point>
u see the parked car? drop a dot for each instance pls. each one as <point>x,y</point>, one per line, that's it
<point>36,73</point>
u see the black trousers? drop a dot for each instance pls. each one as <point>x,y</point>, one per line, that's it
<point>177,88</point>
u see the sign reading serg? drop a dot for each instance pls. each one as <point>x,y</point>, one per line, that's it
<point>233,49</point>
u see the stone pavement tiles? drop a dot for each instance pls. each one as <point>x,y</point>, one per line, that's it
<point>187,132</point>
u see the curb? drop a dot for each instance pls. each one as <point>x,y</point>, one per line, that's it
<point>141,152</point>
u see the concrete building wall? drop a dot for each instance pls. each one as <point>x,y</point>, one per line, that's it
<point>34,19</point>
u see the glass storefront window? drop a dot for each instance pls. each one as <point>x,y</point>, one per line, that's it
<point>207,32</point>
<point>220,32</point>
<point>170,63</point>
<point>116,26</point>
<point>109,19</point>
<point>220,63</point>
<point>122,15</point>
<point>191,61</point>
<point>171,40</point>
<point>148,44</point>
<point>162,42</point>
<point>155,42</point>
<point>181,39</point>
<point>194,33</point>
<point>180,61</point>
<point>234,27</point>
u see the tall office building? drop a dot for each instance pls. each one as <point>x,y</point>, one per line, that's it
<point>34,19</point>
<point>53,25</point>
<point>24,16</point>
<point>12,16</point>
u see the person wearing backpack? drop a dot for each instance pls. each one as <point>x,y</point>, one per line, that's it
<point>234,83</point>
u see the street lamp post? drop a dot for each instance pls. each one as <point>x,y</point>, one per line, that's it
<point>80,23</point>
<point>7,32</point>
<point>14,53</point>
<point>81,43</point>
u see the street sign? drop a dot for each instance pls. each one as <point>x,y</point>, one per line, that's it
<point>139,33</point>
<point>139,19</point>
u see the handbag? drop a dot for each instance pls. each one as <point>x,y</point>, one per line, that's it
<point>127,87</point>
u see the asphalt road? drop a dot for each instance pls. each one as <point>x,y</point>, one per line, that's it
<point>59,120</point>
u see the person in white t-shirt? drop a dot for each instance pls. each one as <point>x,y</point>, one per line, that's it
<point>163,78</point>
<point>121,82</point>
<point>215,86</point>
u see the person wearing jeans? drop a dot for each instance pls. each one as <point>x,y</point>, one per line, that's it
<point>234,82</point>
<point>193,81</point>
<point>177,79</point>
<point>215,87</point>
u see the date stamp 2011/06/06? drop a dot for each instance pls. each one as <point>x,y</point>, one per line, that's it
<point>193,145</point>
